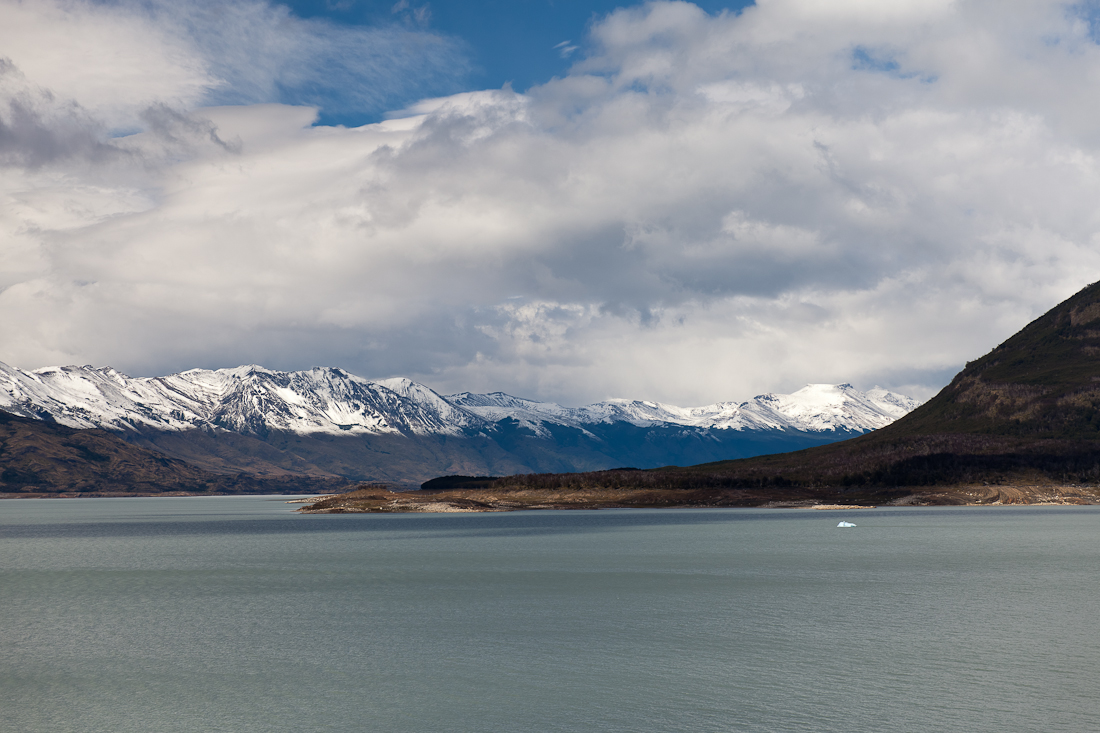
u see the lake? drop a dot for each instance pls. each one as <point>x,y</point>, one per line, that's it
<point>235,614</point>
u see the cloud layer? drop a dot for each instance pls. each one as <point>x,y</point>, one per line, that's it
<point>704,208</point>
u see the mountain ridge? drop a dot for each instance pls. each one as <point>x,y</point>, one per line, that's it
<point>848,409</point>
<point>252,399</point>
<point>327,422</point>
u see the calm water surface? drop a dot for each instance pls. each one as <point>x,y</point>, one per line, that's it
<point>234,614</point>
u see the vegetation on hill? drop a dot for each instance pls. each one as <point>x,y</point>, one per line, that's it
<point>1044,382</point>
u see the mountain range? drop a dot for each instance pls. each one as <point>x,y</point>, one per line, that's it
<point>327,424</point>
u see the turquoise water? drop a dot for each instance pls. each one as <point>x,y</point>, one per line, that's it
<point>234,614</point>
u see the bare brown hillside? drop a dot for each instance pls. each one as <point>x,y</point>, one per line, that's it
<point>41,458</point>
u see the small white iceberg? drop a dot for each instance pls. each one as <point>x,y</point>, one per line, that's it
<point>846,524</point>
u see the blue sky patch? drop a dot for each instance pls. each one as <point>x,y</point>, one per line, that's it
<point>883,62</point>
<point>517,42</point>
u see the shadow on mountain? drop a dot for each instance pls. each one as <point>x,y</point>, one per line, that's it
<point>509,448</point>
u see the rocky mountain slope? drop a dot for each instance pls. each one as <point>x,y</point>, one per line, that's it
<point>326,421</point>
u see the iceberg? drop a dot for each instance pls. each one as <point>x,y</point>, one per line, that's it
<point>846,524</point>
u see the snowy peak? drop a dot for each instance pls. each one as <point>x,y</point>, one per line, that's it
<point>493,399</point>
<point>530,414</point>
<point>639,412</point>
<point>327,400</point>
<point>832,407</point>
<point>892,403</point>
<point>255,401</point>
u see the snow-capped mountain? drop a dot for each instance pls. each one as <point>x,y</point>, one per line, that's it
<point>252,400</point>
<point>249,400</point>
<point>814,408</point>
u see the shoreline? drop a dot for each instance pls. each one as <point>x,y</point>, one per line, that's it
<point>376,500</point>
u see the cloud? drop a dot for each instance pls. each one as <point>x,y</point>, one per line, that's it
<point>565,49</point>
<point>706,207</point>
<point>118,58</point>
<point>413,15</point>
<point>37,129</point>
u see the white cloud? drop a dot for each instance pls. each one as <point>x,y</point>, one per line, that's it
<point>110,59</point>
<point>118,58</point>
<point>705,208</point>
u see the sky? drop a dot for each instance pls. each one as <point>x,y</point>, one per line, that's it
<point>522,43</point>
<point>563,201</point>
